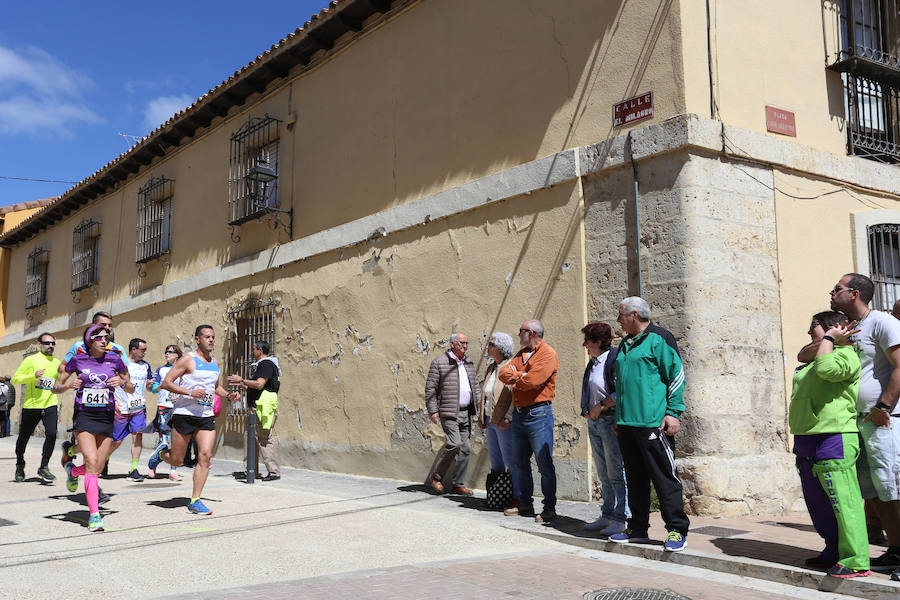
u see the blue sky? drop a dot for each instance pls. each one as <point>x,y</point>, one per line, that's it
<point>74,75</point>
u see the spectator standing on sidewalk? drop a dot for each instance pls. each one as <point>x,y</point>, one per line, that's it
<point>822,417</point>
<point>496,414</point>
<point>649,400</point>
<point>598,405</point>
<point>532,375</point>
<point>262,396</point>
<point>451,392</point>
<point>5,406</point>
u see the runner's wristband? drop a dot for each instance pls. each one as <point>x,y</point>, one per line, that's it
<point>829,338</point>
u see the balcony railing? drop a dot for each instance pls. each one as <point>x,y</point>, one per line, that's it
<point>864,38</point>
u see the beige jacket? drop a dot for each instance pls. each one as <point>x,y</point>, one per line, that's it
<point>497,401</point>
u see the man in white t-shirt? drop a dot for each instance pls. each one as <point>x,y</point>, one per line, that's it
<point>878,344</point>
<point>131,409</point>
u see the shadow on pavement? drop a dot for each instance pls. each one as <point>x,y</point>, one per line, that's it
<point>760,550</point>
<point>420,487</point>
<point>797,526</point>
<point>79,517</point>
<point>33,480</point>
<point>177,502</point>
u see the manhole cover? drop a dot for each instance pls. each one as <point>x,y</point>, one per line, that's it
<point>624,593</point>
<point>5,522</point>
<point>718,531</point>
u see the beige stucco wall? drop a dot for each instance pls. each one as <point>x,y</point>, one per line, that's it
<point>766,52</point>
<point>10,219</point>
<point>816,246</point>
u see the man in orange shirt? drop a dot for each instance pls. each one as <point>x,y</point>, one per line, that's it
<point>532,375</point>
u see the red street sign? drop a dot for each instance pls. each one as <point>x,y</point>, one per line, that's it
<point>780,121</point>
<point>633,110</point>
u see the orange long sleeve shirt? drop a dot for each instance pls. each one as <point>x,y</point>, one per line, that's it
<point>533,380</point>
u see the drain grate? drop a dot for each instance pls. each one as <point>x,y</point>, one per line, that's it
<point>718,531</point>
<point>625,593</point>
<point>5,522</point>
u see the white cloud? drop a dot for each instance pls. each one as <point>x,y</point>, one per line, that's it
<point>159,110</point>
<point>39,94</point>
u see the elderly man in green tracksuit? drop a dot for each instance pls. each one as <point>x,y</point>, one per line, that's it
<point>649,390</point>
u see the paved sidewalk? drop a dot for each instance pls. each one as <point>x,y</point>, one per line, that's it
<point>317,535</point>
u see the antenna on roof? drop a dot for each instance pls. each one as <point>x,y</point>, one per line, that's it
<point>130,140</point>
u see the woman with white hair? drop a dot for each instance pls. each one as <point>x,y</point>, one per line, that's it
<point>495,415</point>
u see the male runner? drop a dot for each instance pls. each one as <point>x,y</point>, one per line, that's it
<point>193,381</point>
<point>38,372</point>
<point>131,411</point>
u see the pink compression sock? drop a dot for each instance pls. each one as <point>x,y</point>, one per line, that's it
<point>92,492</point>
<point>78,471</point>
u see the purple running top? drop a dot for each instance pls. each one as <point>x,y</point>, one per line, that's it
<point>94,395</point>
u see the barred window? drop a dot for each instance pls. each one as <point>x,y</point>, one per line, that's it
<point>36,278</point>
<point>884,261</point>
<point>254,148</point>
<point>154,219</point>
<point>85,255</point>
<point>251,321</point>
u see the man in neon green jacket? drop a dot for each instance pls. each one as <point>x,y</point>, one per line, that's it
<point>38,373</point>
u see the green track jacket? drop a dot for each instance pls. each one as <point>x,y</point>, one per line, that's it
<point>649,381</point>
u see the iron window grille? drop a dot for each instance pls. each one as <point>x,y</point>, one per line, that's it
<point>85,255</point>
<point>36,278</point>
<point>154,219</point>
<point>869,41</point>
<point>873,109</point>
<point>254,144</point>
<point>884,262</point>
<point>251,321</point>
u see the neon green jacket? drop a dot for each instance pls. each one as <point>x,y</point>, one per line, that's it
<point>37,391</point>
<point>824,396</point>
<point>649,381</point>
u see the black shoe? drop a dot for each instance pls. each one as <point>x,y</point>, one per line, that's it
<point>102,497</point>
<point>846,572</point>
<point>65,453</point>
<point>546,516</point>
<point>271,477</point>
<point>890,559</point>
<point>895,576</point>
<point>240,474</point>
<point>20,474</point>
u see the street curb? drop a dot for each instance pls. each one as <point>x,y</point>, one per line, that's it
<point>863,587</point>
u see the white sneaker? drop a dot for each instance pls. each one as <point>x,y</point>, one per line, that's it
<point>175,476</point>
<point>600,523</point>
<point>613,528</point>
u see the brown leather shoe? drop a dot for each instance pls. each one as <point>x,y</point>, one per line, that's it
<point>437,485</point>
<point>461,489</point>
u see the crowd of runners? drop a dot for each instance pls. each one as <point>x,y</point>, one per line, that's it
<point>110,387</point>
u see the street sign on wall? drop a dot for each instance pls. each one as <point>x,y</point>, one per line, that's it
<point>780,121</point>
<point>632,110</point>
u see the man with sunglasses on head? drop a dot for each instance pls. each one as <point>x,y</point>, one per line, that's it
<point>38,372</point>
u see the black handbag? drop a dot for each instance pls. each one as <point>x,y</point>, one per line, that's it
<point>499,489</point>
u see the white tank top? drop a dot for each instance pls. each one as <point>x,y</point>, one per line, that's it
<point>205,377</point>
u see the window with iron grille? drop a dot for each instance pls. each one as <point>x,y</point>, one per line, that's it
<point>154,219</point>
<point>871,45</point>
<point>884,262</point>
<point>254,148</point>
<point>251,321</point>
<point>873,109</point>
<point>85,255</point>
<point>36,278</point>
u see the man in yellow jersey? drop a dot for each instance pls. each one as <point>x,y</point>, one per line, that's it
<point>38,372</point>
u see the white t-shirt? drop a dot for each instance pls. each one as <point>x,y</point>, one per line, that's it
<point>134,402</point>
<point>597,381</point>
<point>879,331</point>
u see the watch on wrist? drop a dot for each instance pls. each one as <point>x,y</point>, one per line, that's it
<point>829,338</point>
<point>883,407</point>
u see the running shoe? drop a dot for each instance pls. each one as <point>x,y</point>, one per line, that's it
<point>20,474</point>
<point>630,536</point>
<point>71,480</point>
<point>102,497</point>
<point>675,542</point>
<point>846,572</point>
<point>135,476</point>
<point>45,474</point>
<point>175,476</point>
<point>889,560</point>
<point>198,508</point>
<point>156,457</point>
<point>600,523</point>
<point>95,523</point>
<point>151,473</point>
<point>895,576</point>
<point>65,458</point>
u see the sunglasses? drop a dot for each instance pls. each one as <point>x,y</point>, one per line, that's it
<point>100,336</point>
<point>170,352</point>
<point>48,343</point>
<point>521,331</point>
<point>838,289</point>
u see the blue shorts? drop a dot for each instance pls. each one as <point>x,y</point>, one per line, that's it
<point>125,424</point>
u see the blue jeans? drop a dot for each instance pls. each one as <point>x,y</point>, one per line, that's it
<point>533,434</point>
<point>610,469</point>
<point>500,451</point>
